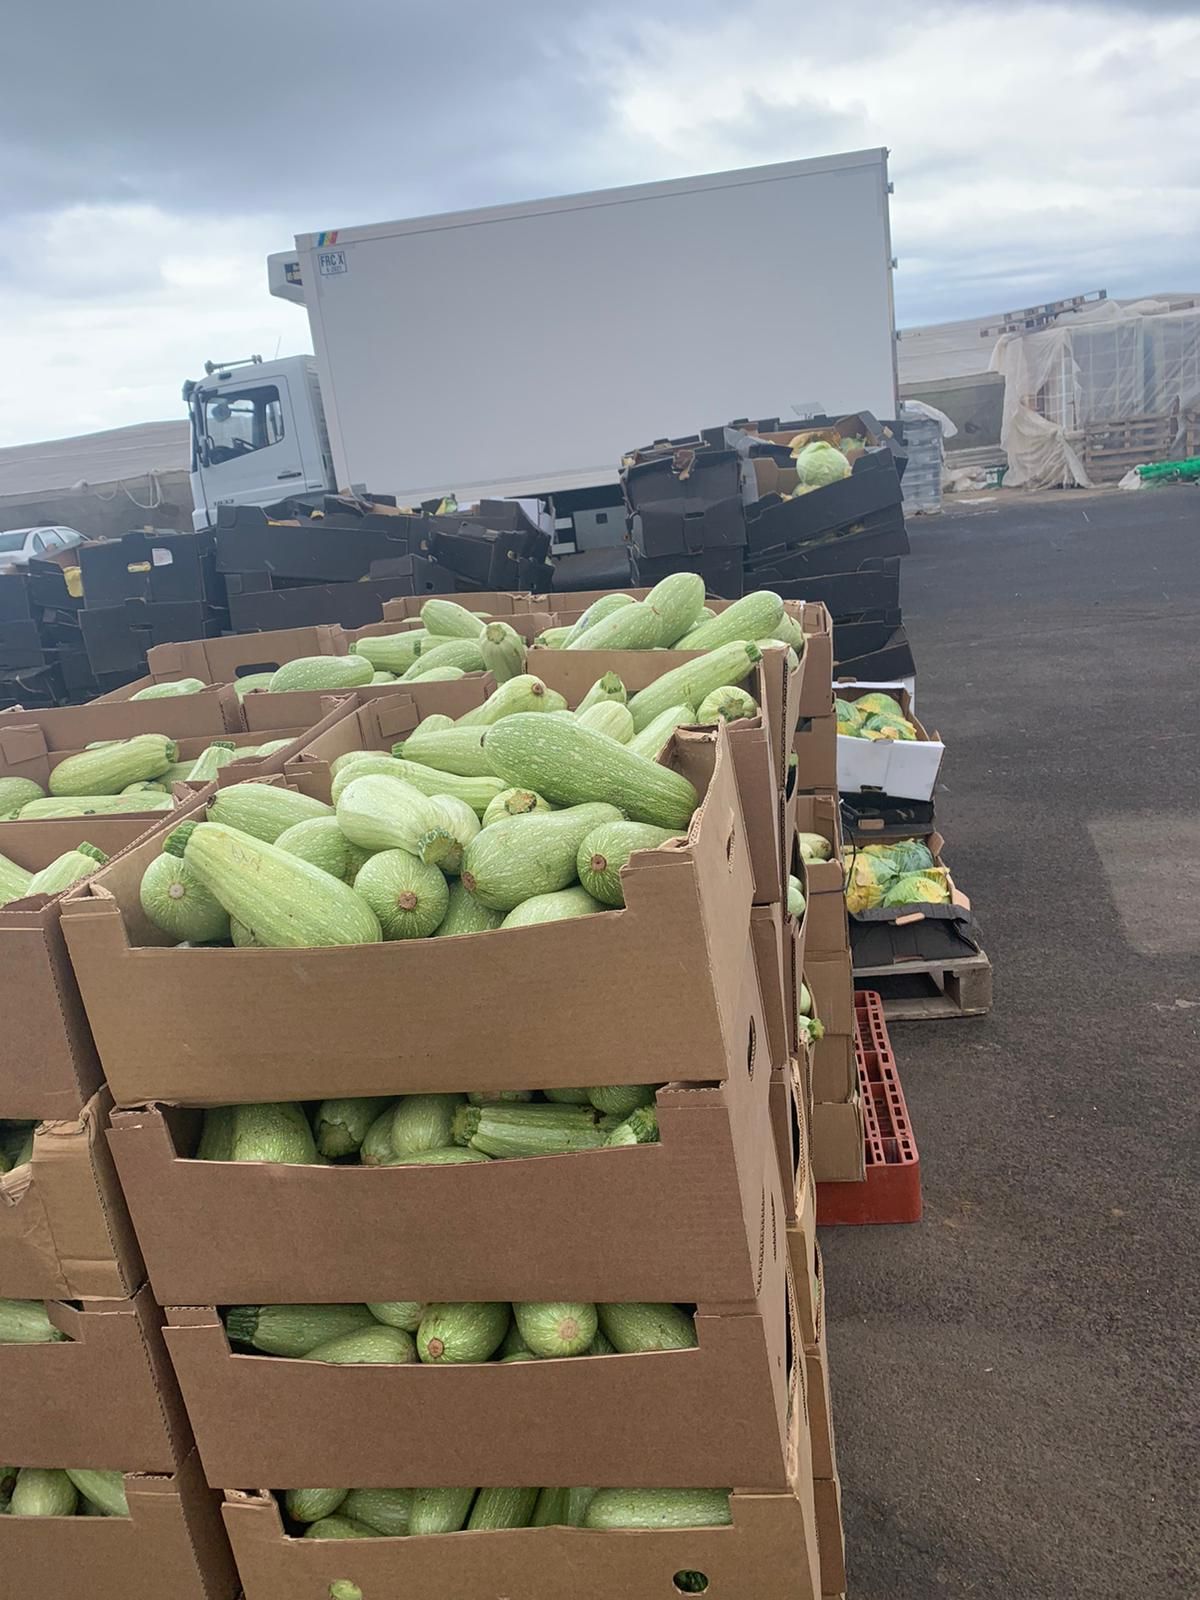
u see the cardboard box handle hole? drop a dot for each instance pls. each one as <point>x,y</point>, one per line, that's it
<point>690,1582</point>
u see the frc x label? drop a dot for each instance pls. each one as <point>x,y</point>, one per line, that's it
<point>331,262</point>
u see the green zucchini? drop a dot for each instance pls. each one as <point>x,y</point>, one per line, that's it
<point>428,674</point>
<point>513,803</point>
<point>553,638</point>
<point>795,897</point>
<point>607,687</point>
<point>322,843</point>
<point>18,792</point>
<point>691,682</point>
<point>277,1132</point>
<point>321,672</point>
<point>176,901</point>
<point>387,1512</point>
<point>251,681</point>
<point>726,705</point>
<point>506,1131</point>
<point>561,906</point>
<point>609,718</point>
<point>462,821</point>
<point>513,1343</point>
<point>620,1099</point>
<point>404,1314</point>
<point>679,600</point>
<point>338,1528</point>
<point>43,1492</point>
<point>216,1136</point>
<point>790,632</point>
<point>374,1346</point>
<point>376,1148</point>
<point>391,652</point>
<point>596,612</point>
<point>26,1322</point>
<point>514,860</point>
<point>464,914</point>
<point>241,937</point>
<point>340,1126</point>
<point>754,616</point>
<point>465,1332</point>
<point>601,1345</point>
<point>605,851</point>
<point>409,898</point>
<point>502,1508</point>
<point>503,651</point>
<point>311,1505</point>
<point>448,620</point>
<point>634,627</point>
<point>639,1326</point>
<point>384,677</point>
<point>556,1328</point>
<point>103,1489</point>
<point>168,691</point>
<point>522,693</point>
<point>570,764</point>
<point>360,764</point>
<point>15,880</point>
<point>477,792</point>
<point>451,1156</point>
<point>567,1097</point>
<point>93,805</point>
<point>462,653</point>
<point>457,750</point>
<point>639,1127</point>
<point>148,787</point>
<point>658,1508</point>
<point>66,870</point>
<point>439,1510</point>
<point>424,1122</point>
<point>483,1097</point>
<point>108,769</point>
<point>210,761</point>
<point>263,810</point>
<point>284,902</point>
<point>550,1510</point>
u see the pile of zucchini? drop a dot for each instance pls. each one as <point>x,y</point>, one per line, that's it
<point>432,1129</point>
<point>54,1492</point>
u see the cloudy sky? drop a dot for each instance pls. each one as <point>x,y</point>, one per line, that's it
<point>152,155</point>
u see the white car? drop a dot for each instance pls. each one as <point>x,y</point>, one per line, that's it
<point>19,546</point>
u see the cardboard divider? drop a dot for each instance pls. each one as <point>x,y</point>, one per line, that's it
<point>261,709</point>
<point>715,1414</point>
<point>828,928</point>
<point>815,747</point>
<point>171,1546</point>
<point>681,1218</point>
<point>48,1063</point>
<point>105,1399</point>
<point>65,1233</point>
<point>211,711</point>
<point>838,1141</point>
<point>655,982</point>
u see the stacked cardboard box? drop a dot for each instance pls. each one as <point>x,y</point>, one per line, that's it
<point>42,658</point>
<point>103,1395</point>
<point>692,986</point>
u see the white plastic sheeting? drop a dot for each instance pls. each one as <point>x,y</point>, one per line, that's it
<point>1100,365</point>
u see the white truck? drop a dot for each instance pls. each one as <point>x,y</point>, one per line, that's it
<point>521,349</point>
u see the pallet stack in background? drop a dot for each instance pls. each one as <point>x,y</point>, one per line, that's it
<point>42,657</point>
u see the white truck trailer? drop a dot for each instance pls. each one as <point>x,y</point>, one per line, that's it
<point>520,349</point>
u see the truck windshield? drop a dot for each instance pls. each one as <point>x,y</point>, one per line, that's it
<point>239,422</point>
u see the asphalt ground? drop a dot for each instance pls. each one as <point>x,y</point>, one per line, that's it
<point>1016,1379</point>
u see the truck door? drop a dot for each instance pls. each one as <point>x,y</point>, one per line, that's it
<point>248,446</point>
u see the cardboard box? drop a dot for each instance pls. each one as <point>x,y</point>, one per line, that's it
<point>48,1063</point>
<point>212,712</point>
<point>119,638</point>
<point>64,1231</point>
<point>825,913</point>
<point>778,942</point>
<point>769,1552</point>
<point>500,603</point>
<point>256,604</point>
<point>832,988</point>
<point>891,936</point>
<point>831,1539</point>
<point>223,660</point>
<point>104,1399</point>
<point>808,1282</point>
<point>159,565</point>
<point>715,1414</point>
<point>399,1018</point>
<point>873,487</point>
<point>260,709</point>
<point>907,768</point>
<point>317,551</point>
<point>244,767</point>
<point>838,1141</point>
<point>834,1073</point>
<point>820,1406</point>
<point>682,1219</point>
<point>891,659</point>
<point>783,1133</point>
<point>816,748</point>
<point>172,1546</point>
<point>23,754</point>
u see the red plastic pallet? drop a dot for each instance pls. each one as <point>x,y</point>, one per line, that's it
<point>892,1191</point>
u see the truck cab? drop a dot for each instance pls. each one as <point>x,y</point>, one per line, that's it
<point>258,434</point>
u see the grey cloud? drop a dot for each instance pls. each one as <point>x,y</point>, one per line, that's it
<point>336,113</point>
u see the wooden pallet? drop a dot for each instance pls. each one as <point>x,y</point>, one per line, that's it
<point>921,991</point>
<point>1110,449</point>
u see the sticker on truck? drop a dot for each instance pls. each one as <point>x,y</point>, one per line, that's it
<point>331,262</point>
